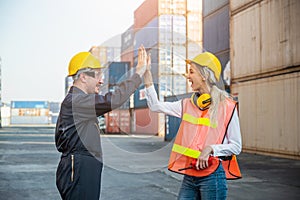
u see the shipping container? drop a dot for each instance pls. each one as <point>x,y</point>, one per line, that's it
<point>236,5</point>
<point>145,13</point>
<point>173,123</point>
<point>165,36</point>
<point>103,55</point>
<point>127,39</point>
<point>30,112</point>
<point>146,36</point>
<point>112,121</point>
<point>110,50</point>
<point>127,46</point>
<point>30,104</point>
<point>127,56</point>
<point>210,6</point>
<point>265,38</point>
<point>265,43</point>
<point>118,121</point>
<point>170,85</point>
<point>124,121</point>
<point>224,58</point>
<point>194,27</point>
<point>173,16</point>
<point>177,7</point>
<point>216,31</point>
<point>118,72</point>
<point>169,81</point>
<point>269,114</point>
<point>172,29</point>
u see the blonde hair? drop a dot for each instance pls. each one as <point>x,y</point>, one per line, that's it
<point>218,95</point>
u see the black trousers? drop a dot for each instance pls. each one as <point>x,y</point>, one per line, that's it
<point>78,176</point>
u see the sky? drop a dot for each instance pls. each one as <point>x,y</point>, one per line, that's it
<point>39,37</point>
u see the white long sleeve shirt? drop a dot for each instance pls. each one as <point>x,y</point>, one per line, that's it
<point>232,143</point>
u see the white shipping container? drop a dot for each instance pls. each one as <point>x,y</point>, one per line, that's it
<point>245,42</point>
<point>29,112</point>
<point>237,4</point>
<point>269,114</point>
<point>15,111</point>
<point>280,31</point>
<point>265,37</point>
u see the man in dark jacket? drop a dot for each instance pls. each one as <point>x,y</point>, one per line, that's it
<point>77,134</point>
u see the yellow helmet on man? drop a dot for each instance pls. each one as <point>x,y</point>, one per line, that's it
<point>83,60</point>
<point>209,60</point>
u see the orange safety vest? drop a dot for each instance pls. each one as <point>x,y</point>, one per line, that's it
<point>196,132</point>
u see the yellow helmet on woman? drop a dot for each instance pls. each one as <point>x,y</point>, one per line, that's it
<point>209,60</point>
<point>83,60</point>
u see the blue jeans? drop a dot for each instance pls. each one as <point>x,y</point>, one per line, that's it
<point>212,187</point>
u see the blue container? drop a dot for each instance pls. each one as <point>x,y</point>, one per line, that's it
<point>118,72</point>
<point>30,104</point>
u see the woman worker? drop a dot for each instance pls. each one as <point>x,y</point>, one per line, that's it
<point>209,134</point>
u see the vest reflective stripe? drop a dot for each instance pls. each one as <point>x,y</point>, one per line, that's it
<point>200,121</point>
<point>186,151</point>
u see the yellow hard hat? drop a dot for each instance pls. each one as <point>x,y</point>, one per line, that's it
<point>83,60</point>
<point>209,60</point>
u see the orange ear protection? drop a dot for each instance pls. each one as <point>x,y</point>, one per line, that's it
<point>202,101</point>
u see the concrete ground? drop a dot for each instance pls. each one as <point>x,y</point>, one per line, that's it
<point>135,168</point>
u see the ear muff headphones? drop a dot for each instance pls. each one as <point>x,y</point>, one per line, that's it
<point>202,101</point>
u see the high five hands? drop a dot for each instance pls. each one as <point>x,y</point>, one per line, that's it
<point>142,61</point>
<point>143,67</point>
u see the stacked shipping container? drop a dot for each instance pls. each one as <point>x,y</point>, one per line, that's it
<point>127,39</point>
<point>216,29</point>
<point>29,112</point>
<point>118,120</point>
<point>265,58</point>
<point>160,25</point>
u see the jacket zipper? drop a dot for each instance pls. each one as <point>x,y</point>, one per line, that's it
<point>72,173</point>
